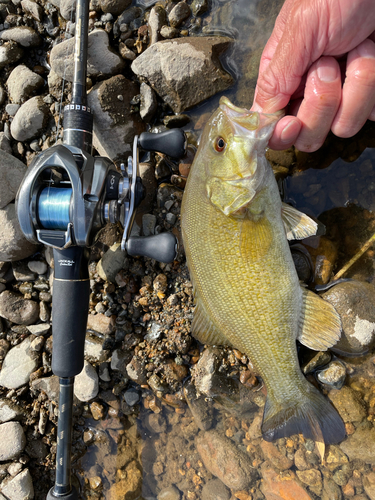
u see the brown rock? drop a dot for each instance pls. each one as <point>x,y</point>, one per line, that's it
<point>311,477</point>
<point>300,460</point>
<point>101,323</point>
<point>369,484</point>
<point>15,308</point>
<point>272,454</point>
<point>224,460</point>
<point>348,404</point>
<point>360,445</point>
<point>129,488</point>
<point>284,487</point>
<point>324,255</point>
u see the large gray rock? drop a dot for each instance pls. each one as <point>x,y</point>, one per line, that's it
<point>12,172</point>
<point>22,83</point>
<point>13,244</point>
<point>114,125</point>
<point>185,71</point>
<point>86,384</point>
<point>10,52</point>
<point>12,440</point>
<point>24,35</point>
<point>102,60</point>
<point>15,308</point>
<point>20,487</point>
<point>30,119</point>
<point>355,303</point>
<point>18,365</point>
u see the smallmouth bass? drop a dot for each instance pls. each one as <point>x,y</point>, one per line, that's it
<point>235,231</point>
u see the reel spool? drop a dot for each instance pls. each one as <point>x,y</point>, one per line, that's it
<point>67,196</point>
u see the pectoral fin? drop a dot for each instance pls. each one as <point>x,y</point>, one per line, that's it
<point>320,324</point>
<point>228,197</point>
<point>297,225</point>
<point>203,328</point>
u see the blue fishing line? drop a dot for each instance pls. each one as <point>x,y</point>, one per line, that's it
<point>53,207</point>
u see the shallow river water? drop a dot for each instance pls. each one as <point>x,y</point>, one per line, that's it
<point>148,452</point>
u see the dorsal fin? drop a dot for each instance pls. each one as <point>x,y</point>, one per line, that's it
<point>320,324</point>
<point>297,224</point>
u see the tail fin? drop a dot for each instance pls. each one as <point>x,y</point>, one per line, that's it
<point>311,415</point>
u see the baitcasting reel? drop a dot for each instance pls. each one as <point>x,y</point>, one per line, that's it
<point>67,196</point>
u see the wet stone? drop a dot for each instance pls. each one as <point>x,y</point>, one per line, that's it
<point>200,409</point>
<point>199,7</point>
<point>178,14</point>
<point>360,445</point>
<point>97,410</point>
<point>348,404</point>
<point>224,460</point>
<point>318,360</point>
<point>155,423</point>
<point>136,371</point>
<point>170,493</point>
<point>272,454</point>
<point>300,460</point>
<point>369,484</point>
<point>277,486</point>
<point>334,375</point>
<point>132,397</point>
<point>215,490</point>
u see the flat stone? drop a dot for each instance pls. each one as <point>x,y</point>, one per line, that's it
<point>48,385</point>
<point>12,440</point>
<point>275,486</point>
<point>17,309</point>
<point>12,172</point>
<point>225,460</point>
<point>114,6</point>
<point>37,266</point>
<point>13,244</point>
<point>102,59</point>
<point>41,329</point>
<point>349,404</point>
<point>9,410</point>
<point>20,487</point>
<point>100,323</point>
<point>360,445</point>
<point>86,386</point>
<point>215,490</point>
<point>185,71</point>
<point>111,263</point>
<point>114,124</point>
<point>169,493</point>
<point>355,303</point>
<point>19,363</point>
<point>30,119</point>
<point>24,35</point>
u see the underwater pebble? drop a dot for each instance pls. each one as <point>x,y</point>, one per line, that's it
<point>170,493</point>
<point>272,454</point>
<point>348,403</point>
<point>273,485</point>
<point>215,490</point>
<point>334,375</point>
<point>132,397</point>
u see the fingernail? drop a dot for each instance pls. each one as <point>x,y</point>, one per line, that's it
<point>290,132</point>
<point>327,73</point>
<point>366,49</point>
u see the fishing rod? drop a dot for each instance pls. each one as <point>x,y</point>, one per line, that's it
<point>65,198</point>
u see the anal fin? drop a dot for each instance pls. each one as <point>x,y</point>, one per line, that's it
<point>320,324</point>
<point>297,224</point>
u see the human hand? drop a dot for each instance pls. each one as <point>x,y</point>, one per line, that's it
<point>320,62</point>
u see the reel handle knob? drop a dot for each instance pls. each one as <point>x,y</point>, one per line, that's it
<point>161,247</point>
<point>172,142</point>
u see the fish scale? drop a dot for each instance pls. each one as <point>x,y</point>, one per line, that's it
<point>246,288</point>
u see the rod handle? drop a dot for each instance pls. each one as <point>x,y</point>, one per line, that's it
<point>171,142</point>
<point>161,247</point>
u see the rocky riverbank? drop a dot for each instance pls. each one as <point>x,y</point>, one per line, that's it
<point>156,415</point>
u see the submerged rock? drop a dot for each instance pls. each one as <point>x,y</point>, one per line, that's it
<point>349,404</point>
<point>185,72</point>
<point>225,460</point>
<point>360,445</point>
<point>355,303</point>
<point>334,375</point>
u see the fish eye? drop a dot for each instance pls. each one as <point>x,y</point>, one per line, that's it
<point>220,144</point>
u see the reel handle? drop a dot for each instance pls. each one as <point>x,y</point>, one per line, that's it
<point>71,293</point>
<point>161,247</point>
<point>171,142</point>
